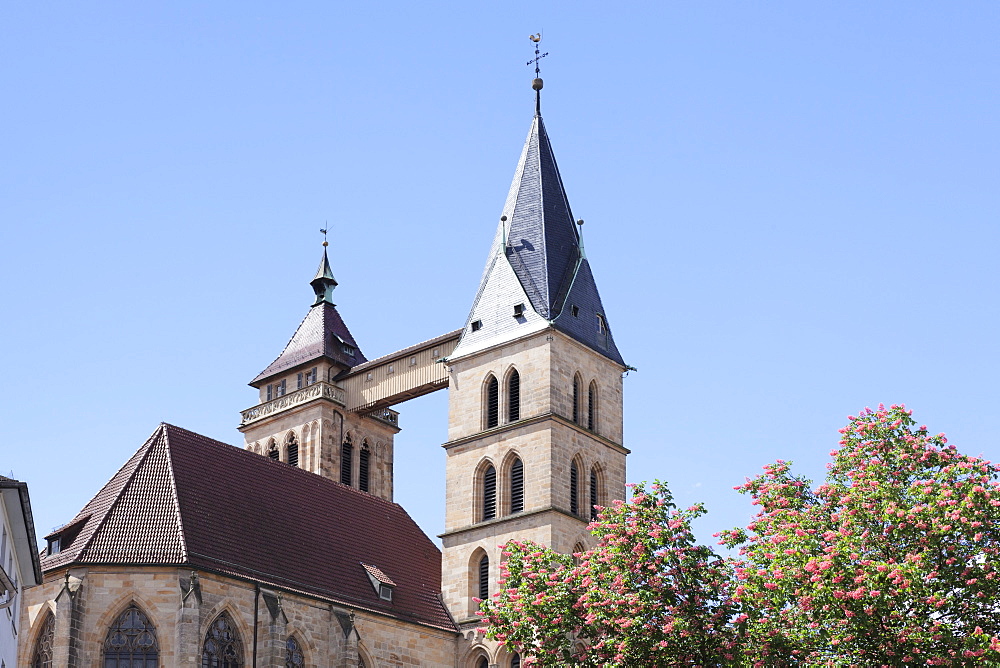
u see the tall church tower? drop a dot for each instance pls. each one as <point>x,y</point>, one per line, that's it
<point>535,393</point>
<point>308,416</point>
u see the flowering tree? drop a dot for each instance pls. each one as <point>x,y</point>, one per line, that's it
<point>891,562</point>
<point>646,595</point>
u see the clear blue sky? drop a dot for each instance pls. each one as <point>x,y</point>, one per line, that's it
<point>792,212</point>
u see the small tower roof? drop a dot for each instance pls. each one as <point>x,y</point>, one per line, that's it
<point>321,334</point>
<point>539,243</point>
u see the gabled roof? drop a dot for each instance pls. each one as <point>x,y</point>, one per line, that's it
<point>322,333</point>
<point>186,500</point>
<point>537,259</point>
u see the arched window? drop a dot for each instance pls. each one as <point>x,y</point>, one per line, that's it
<point>576,399</point>
<point>594,485</point>
<point>592,406</point>
<point>483,662</point>
<point>515,660</point>
<point>42,657</point>
<point>514,396</point>
<point>131,641</point>
<point>363,459</point>
<point>346,456</point>
<point>578,549</point>
<point>292,446</point>
<point>489,493</point>
<point>223,647</point>
<point>293,653</point>
<point>516,486</point>
<point>272,451</point>
<point>574,488</point>
<point>492,402</point>
<point>484,577</point>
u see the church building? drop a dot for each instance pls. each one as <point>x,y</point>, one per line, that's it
<point>291,551</point>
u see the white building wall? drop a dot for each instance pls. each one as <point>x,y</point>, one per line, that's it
<point>17,547</point>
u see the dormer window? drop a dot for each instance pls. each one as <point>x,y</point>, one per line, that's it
<point>518,310</point>
<point>477,325</point>
<point>381,583</point>
<point>347,349</point>
<point>54,546</point>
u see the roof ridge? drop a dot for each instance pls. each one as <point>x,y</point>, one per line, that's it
<point>148,446</point>
<point>173,490</point>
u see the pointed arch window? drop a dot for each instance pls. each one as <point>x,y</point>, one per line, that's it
<point>364,457</point>
<point>131,641</point>
<point>576,399</point>
<point>272,451</point>
<point>516,486</point>
<point>346,460</point>
<point>293,653</point>
<point>292,446</point>
<point>514,397</point>
<point>483,662</point>
<point>489,493</point>
<point>515,661</point>
<point>592,406</point>
<point>594,482</point>
<point>484,577</point>
<point>574,488</point>
<point>492,402</point>
<point>42,656</point>
<point>223,647</point>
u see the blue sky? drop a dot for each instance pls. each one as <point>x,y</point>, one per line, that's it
<point>791,213</point>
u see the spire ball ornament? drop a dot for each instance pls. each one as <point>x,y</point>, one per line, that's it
<point>536,84</point>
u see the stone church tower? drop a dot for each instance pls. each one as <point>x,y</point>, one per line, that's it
<point>535,392</point>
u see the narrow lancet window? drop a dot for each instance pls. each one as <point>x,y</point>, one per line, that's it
<point>492,402</point>
<point>593,493</point>
<point>576,399</point>
<point>363,460</point>
<point>517,486</point>
<point>514,397</point>
<point>484,578</point>
<point>592,406</point>
<point>574,488</point>
<point>489,493</point>
<point>346,457</point>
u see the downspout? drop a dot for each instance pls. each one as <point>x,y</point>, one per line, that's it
<point>256,608</point>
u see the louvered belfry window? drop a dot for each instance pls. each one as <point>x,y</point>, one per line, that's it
<point>272,451</point>
<point>516,486</point>
<point>484,577</point>
<point>576,400</point>
<point>131,641</point>
<point>346,455</point>
<point>492,403</point>
<point>293,450</point>
<point>363,467</point>
<point>591,405</point>
<point>593,494</point>
<point>574,488</point>
<point>514,397</point>
<point>489,493</point>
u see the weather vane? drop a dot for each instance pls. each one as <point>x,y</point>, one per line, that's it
<point>534,61</point>
<point>323,230</point>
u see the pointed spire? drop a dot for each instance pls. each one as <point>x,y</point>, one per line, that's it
<point>324,282</point>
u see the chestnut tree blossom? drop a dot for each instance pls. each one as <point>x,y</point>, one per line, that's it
<point>646,595</point>
<point>891,562</point>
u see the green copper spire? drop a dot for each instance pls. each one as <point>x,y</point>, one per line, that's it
<point>324,282</point>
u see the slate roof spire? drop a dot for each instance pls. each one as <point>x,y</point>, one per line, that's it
<point>537,258</point>
<point>324,282</point>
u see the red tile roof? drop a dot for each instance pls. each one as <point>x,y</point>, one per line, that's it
<point>184,499</point>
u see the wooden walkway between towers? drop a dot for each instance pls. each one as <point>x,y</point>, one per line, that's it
<point>405,374</point>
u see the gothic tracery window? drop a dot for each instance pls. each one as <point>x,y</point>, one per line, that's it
<point>131,641</point>
<point>223,647</point>
<point>42,657</point>
<point>293,653</point>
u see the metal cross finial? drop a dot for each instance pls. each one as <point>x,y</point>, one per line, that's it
<point>534,61</point>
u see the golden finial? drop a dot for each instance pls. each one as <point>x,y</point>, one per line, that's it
<point>325,242</point>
